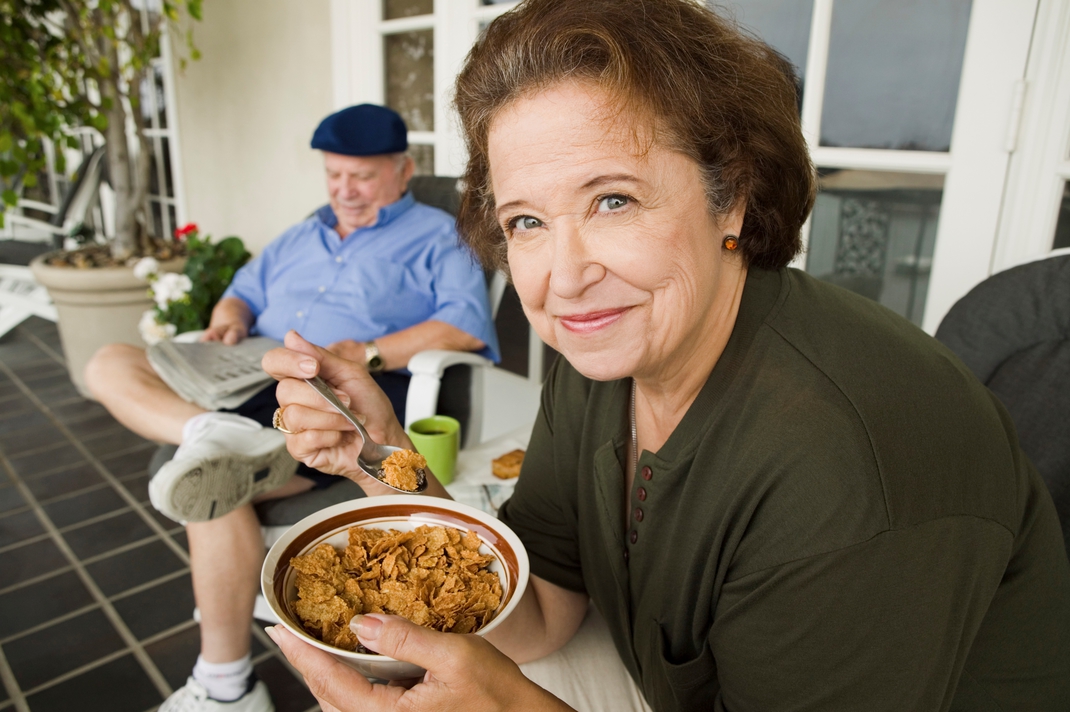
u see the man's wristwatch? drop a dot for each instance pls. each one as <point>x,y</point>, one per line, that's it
<point>372,359</point>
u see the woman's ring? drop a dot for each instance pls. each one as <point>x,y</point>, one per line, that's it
<point>276,420</point>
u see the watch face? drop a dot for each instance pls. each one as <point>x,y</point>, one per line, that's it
<point>375,363</point>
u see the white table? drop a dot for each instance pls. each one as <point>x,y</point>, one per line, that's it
<point>473,482</point>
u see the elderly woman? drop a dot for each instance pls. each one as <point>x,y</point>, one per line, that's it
<point>778,494</point>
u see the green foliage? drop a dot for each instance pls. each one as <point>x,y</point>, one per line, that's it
<point>210,267</point>
<point>62,65</point>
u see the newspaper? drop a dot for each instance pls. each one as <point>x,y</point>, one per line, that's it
<point>210,374</point>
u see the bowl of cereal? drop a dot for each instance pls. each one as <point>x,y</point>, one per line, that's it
<point>439,563</point>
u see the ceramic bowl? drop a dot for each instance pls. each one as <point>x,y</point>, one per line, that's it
<point>404,513</point>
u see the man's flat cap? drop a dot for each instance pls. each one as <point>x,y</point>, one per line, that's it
<point>362,130</point>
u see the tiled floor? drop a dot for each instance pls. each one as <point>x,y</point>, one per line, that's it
<point>95,597</point>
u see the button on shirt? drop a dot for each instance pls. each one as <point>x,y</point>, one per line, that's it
<point>405,269</point>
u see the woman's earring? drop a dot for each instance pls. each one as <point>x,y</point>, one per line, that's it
<point>731,243</point>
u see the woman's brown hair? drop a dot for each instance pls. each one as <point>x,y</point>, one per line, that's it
<point>722,97</point>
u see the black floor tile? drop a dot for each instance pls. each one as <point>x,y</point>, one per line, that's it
<point>48,460</point>
<point>78,410</point>
<point>176,654</point>
<point>94,425</point>
<point>43,380</point>
<point>10,498</point>
<point>16,442</point>
<point>138,486</point>
<point>59,394</point>
<point>108,534</point>
<point>13,409</point>
<point>38,370</point>
<point>106,445</point>
<point>18,527</point>
<point>158,608</point>
<point>167,523</point>
<point>22,354</point>
<point>118,686</point>
<point>123,571</point>
<point>26,562</point>
<point>23,418</point>
<point>130,463</point>
<point>80,507</point>
<point>28,606</point>
<point>37,658</point>
<point>63,482</point>
<point>8,390</point>
<point>289,693</point>
<point>39,327</point>
<point>182,539</point>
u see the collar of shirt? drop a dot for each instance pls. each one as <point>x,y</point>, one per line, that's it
<point>387,214</point>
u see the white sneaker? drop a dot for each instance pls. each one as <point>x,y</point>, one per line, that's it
<point>194,698</point>
<point>224,462</point>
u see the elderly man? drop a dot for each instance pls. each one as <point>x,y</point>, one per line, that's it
<point>373,276</point>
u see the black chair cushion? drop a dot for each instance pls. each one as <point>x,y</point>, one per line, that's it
<point>1013,332</point>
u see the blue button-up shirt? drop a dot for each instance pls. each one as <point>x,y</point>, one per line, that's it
<point>405,269</point>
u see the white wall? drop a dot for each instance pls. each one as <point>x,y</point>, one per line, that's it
<point>246,112</point>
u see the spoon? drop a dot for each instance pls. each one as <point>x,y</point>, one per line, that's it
<point>372,454</point>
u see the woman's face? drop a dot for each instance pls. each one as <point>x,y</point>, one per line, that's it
<point>614,255</point>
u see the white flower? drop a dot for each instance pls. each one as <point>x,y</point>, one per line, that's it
<point>153,331</point>
<point>145,268</point>
<point>170,287</point>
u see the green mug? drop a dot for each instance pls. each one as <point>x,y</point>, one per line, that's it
<point>438,438</point>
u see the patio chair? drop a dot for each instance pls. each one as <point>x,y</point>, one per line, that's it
<point>72,211</point>
<point>1013,332</point>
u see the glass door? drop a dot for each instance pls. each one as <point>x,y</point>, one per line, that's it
<point>906,105</point>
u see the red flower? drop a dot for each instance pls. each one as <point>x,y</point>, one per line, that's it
<point>185,230</point>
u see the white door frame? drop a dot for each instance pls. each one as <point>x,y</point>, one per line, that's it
<point>1041,162</point>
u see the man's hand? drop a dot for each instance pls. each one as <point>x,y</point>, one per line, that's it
<point>230,322</point>
<point>229,333</point>
<point>464,672</point>
<point>349,350</point>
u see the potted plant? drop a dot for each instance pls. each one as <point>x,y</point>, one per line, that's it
<point>78,63</point>
<point>184,301</point>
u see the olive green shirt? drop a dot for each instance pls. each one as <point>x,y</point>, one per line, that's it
<point>843,520</point>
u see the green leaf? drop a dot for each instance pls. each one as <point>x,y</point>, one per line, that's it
<point>10,197</point>
<point>5,141</point>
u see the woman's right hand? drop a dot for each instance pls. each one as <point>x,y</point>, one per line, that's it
<point>323,439</point>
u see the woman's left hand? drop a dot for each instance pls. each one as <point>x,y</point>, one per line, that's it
<point>464,672</point>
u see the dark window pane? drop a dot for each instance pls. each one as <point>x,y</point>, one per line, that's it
<point>893,73</point>
<point>172,222</point>
<point>874,233</point>
<point>424,157</point>
<point>783,24</point>
<point>161,99</point>
<point>393,9</point>
<point>1062,228</point>
<point>157,218</point>
<point>410,77</point>
<point>165,149</point>
<point>154,172</point>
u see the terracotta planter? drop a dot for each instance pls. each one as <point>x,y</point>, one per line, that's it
<point>96,307</point>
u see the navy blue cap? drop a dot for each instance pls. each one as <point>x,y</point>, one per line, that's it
<point>362,130</point>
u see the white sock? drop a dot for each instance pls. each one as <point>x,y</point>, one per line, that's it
<point>225,682</point>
